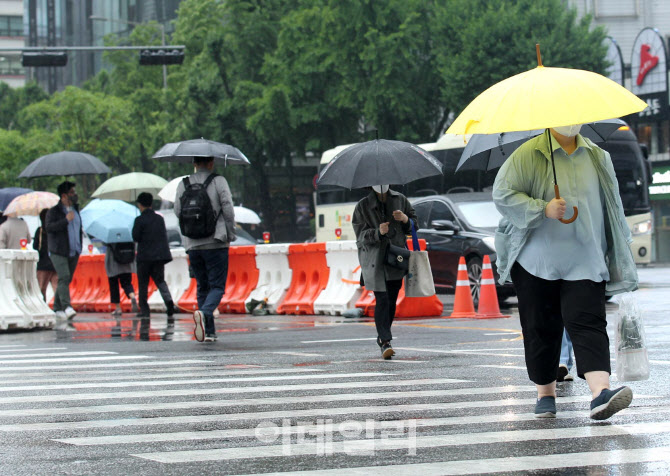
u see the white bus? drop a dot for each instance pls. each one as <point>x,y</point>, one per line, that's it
<point>335,205</point>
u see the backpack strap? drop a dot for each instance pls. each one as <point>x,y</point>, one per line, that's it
<point>186,182</point>
<point>209,180</point>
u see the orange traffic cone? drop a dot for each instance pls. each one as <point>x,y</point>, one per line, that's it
<point>488,296</point>
<point>463,306</point>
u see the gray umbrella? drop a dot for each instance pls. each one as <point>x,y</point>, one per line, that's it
<point>187,150</point>
<point>65,163</point>
<point>490,151</point>
<point>9,194</point>
<point>379,162</point>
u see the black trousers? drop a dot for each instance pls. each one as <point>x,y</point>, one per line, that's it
<point>545,307</point>
<point>385,309</point>
<point>126,281</point>
<point>156,271</point>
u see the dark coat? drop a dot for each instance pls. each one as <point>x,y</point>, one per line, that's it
<point>151,237</point>
<point>41,244</point>
<point>368,215</point>
<point>57,234</point>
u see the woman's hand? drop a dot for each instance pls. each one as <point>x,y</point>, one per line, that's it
<point>383,228</point>
<point>398,215</point>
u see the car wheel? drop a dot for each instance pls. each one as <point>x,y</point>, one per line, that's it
<point>475,277</point>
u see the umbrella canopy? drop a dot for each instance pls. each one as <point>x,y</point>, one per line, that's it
<point>31,203</point>
<point>545,97</point>
<point>128,186</point>
<point>65,163</point>
<point>490,151</point>
<point>10,193</point>
<point>246,215</point>
<point>109,220</point>
<point>187,150</point>
<point>169,192</point>
<point>379,162</point>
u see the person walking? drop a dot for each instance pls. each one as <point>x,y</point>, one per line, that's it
<point>64,236</point>
<point>120,266</point>
<point>562,272</point>
<point>46,273</point>
<point>153,252</point>
<point>204,207</point>
<point>12,231</point>
<point>382,219</point>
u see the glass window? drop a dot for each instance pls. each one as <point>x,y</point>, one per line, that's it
<point>441,211</point>
<point>11,25</point>
<point>630,175</point>
<point>480,214</point>
<point>422,210</point>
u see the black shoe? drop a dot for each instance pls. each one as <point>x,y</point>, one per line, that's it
<point>562,372</point>
<point>609,402</point>
<point>210,337</point>
<point>387,350</point>
<point>170,309</point>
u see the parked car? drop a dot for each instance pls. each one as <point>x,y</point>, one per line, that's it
<point>455,225</point>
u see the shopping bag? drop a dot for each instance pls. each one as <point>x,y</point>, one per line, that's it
<point>632,361</point>
<point>419,278</point>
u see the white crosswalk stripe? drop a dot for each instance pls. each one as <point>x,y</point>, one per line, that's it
<point>249,416</point>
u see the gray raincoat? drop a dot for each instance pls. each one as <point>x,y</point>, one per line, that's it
<point>526,175</point>
<point>368,215</point>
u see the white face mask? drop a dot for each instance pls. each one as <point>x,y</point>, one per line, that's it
<point>380,188</point>
<point>568,131</point>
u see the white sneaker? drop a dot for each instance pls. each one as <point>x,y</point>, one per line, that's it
<point>199,330</point>
<point>61,315</point>
<point>69,312</point>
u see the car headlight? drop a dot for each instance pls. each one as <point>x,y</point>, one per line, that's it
<point>490,242</point>
<point>642,227</point>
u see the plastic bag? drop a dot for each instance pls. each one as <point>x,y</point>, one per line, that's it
<point>632,361</point>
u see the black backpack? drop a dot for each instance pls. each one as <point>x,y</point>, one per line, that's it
<point>123,253</point>
<point>197,218</point>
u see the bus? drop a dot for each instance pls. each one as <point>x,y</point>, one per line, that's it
<point>335,205</point>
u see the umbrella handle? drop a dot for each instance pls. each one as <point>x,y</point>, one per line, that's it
<point>576,212</point>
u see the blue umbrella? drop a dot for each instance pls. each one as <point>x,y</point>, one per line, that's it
<point>110,221</point>
<point>9,194</point>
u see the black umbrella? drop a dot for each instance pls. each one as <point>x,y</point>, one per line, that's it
<point>187,150</point>
<point>65,163</point>
<point>490,151</point>
<point>9,194</point>
<point>379,162</point>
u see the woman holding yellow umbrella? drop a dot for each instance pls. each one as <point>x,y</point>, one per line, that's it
<point>561,268</point>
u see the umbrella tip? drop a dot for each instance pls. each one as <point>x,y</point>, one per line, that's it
<point>539,56</point>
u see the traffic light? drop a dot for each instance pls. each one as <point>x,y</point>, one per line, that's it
<point>43,58</point>
<point>161,56</point>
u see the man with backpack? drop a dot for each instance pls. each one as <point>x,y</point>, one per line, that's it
<point>153,252</point>
<point>204,207</point>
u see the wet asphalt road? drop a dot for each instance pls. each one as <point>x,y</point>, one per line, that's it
<point>309,395</point>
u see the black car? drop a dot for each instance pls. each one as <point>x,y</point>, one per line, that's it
<point>455,225</point>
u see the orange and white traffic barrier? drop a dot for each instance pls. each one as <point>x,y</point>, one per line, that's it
<point>274,275</point>
<point>343,288</point>
<point>176,278</point>
<point>463,305</point>
<point>310,276</point>
<point>242,279</point>
<point>488,296</point>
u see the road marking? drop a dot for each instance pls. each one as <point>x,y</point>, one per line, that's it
<point>226,390</point>
<point>12,345</point>
<point>375,444</point>
<point>299,354</point>
<point>278,415</point>
<point>24,358</point>
<point>206,381</point>
<point>32,350</point>
<point>461,352</point>
<point>337,397</point>
<point>67,359</point>
<point>183,372</point>
<point>334,427</point>
<point>115,365</point>
<point>519,367</point>
<point>335,340</point>
<point>501,465</point>
<point>662,362</point>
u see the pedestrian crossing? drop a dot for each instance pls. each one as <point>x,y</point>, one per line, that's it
<point>220,415</point>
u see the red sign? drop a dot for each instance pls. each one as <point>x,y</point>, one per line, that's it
<point>90,249</point>
<point>266,236</point>
<point>23,242</point>
<point>647,63</point>
<point>338,233</point>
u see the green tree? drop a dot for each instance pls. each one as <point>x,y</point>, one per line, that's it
<point>13,100</point>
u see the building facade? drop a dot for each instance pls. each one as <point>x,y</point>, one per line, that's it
<point>11,36</point>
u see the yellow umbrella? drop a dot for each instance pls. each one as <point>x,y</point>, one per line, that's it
<point>545,97</point>
<point>31,204</point>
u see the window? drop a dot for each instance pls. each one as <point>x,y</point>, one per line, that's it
<point>441,211</point>
<point>422,210</point>
<point>11,26</point>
